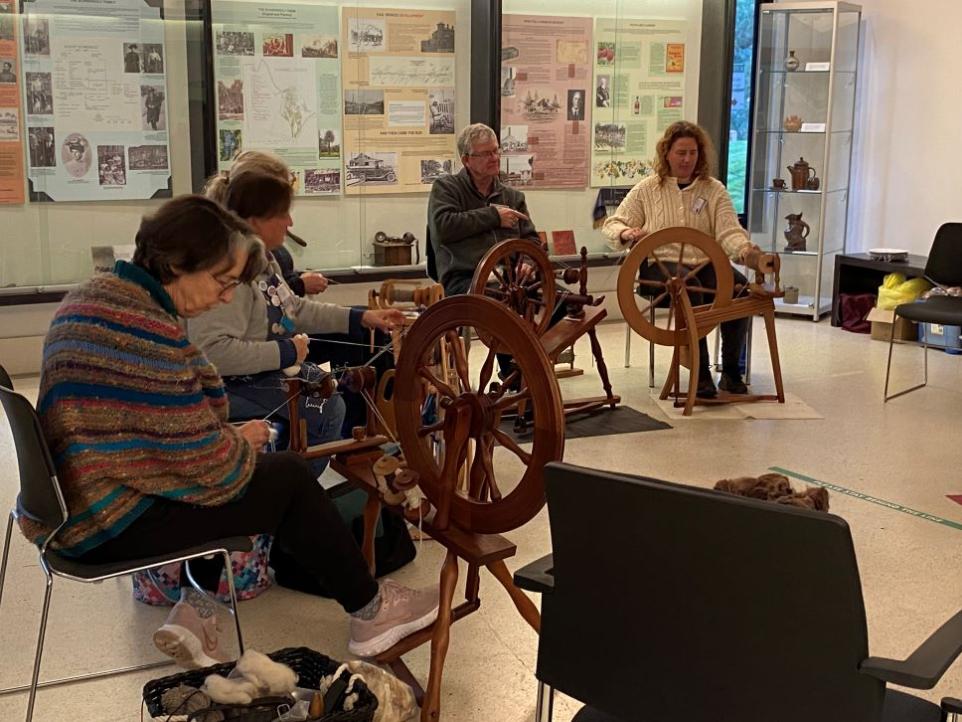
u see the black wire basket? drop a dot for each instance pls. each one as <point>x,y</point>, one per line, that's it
<point>309,666</point>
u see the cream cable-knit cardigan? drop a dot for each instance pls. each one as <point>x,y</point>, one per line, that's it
<point>704,205</point>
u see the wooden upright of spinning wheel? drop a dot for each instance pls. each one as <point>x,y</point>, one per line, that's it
<point>505,486</point>
<point>532,295</point>
<point>684,323</point>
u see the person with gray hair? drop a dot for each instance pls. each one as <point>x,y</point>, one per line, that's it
<point>472,210</point>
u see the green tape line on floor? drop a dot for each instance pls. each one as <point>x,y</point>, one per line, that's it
<point>868,497</point>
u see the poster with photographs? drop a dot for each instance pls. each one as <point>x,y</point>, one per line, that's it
<point>11,140</point>
<point>638,90</point>
<point>399,99</point>
<point>277,74</point>
<point>94,97</point>
<point>545,88</point>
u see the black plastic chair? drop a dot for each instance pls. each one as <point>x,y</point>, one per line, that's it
<point>690,604</point>
<point>41,499</point>
<point>943,268</point>
<point>429,258</point>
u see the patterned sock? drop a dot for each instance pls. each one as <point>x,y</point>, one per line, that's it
<point>203,604</point>
<point>369,610</point>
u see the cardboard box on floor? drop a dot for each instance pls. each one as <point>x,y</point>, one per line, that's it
<point>881,319</point>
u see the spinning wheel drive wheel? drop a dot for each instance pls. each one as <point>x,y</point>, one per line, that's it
<point>493,502</point>
<point>665,251</point>
<point>499,277</point>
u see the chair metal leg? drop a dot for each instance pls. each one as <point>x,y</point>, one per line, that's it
<point>544,707</point>
<point>651,352</point>
<point>43,631</point>
<point>233,602</point>
<point>6,555</point>
<point>888,367</point>
<point>748,352</point>
<point>627,346</point>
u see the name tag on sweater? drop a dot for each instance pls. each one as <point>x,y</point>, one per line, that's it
<point>698,204</point>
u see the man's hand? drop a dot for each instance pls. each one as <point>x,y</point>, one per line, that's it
<point>300,345</point>
<point>384,319</point>
<point>314,282</point>
<point>525,272</point>
<point>509,216</point>
<point>257,433</point>
<point>630,236</point>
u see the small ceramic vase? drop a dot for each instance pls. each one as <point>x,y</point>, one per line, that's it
<point>791,62</point>
<point>792,124</point>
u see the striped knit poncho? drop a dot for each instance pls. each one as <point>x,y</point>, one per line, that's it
<point>132,411</point>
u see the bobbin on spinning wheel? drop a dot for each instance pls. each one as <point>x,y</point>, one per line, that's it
<point>637,297</point>
<point>493,502</point>
<point>500,276</point>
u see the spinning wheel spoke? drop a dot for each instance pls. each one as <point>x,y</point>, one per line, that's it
<point>648,282</point>
<point>655,301</point>
<point>484,453</point>
<point>518,266</point>
<point>663,268</point>
<point>533,286</point>
<point>512,400</point>
<point>697,269</point>
<point>511,445</point>
<point>681,256</point>
<point>460,362</point>
<point>445,390</point>
<point>509,268</point>
<point>431,428</point>
<point>495,293</point>
<point>487,367</point>
<point>702,289</point>
<point>500,277</point>
<point>506,383</point>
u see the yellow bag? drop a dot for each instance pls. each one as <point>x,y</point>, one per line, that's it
<point>895,290</point>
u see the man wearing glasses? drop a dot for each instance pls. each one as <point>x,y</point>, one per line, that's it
<point>471,211</point>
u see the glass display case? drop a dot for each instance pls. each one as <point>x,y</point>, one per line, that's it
<point>805,82</point>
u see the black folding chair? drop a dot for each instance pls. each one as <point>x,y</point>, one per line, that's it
<point>943,268</point>
<point>690,604</point>
<point>41,499</point>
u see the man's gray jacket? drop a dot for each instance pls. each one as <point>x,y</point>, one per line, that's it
<point>462,226</point>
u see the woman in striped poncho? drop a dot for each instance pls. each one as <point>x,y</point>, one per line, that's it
<point>136,419</point>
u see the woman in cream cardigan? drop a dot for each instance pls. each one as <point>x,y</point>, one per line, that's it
<point>682,192</point>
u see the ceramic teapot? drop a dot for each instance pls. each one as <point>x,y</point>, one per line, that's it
<point>801,172</point>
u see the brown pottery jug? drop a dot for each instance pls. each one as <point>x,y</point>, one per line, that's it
<point>801,172</point>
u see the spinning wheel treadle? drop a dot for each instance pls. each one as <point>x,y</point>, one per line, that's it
<point>472,412</point>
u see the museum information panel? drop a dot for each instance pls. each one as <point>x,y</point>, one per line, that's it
<point>639,90</point>
<point>545,92</point>
<point>399,100</point>
<point>277,76</point>
<point>11,150</point>
<point>95,98</point>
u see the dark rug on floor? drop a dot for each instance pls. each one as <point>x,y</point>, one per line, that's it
<point>620,420</point>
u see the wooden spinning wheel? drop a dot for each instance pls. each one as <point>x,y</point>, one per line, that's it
<point>500,276</point>
<point>671,243</point>
<point>533,297</point>
<point>472,412</point>
<point>674,280</point>
<point>505,486</point>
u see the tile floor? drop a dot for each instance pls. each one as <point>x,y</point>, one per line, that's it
<point>906,451</point>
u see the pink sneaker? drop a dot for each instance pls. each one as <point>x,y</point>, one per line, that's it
<point>189,638</point>
<point>403,611</point>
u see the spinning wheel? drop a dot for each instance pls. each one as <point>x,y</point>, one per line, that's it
<point>533,296</point>
<point>671,243</point>
<point>504,487</point>
<point>500,276</point>
<point>685,323</point>
<point>488,505</point>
